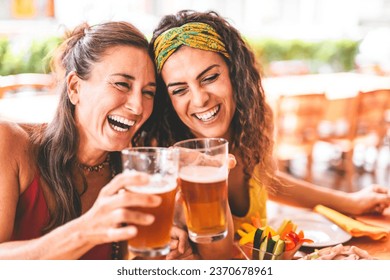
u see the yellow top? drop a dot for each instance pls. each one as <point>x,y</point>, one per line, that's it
<point>257,205</point>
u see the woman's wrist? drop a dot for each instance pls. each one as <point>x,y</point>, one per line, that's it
<point>341,201</point>
<point>68,241</point>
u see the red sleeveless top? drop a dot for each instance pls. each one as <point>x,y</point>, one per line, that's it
<point>32,214</point>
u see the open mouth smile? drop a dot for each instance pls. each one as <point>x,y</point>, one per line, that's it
<point>208,115</point>
<point>119,123</point>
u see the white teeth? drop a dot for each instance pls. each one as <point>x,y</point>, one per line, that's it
<point>117,128</point>
<point>121,120</point>
<point>208,115</point>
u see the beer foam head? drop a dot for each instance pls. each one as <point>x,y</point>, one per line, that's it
<point>203,174</point>
<point>157,184</point>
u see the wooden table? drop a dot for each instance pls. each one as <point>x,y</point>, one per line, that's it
<point>377,248</point>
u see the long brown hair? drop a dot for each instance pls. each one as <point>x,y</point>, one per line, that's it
<point>252,123</point>
<point>58,143</point>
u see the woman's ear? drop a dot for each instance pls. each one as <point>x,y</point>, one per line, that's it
<point>72,82</point>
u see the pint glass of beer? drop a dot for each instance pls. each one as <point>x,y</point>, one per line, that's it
<point>161,165</point>
<point>203,174</point>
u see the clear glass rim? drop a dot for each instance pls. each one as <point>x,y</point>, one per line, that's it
<point>148,150</point>
<point>222,142</point>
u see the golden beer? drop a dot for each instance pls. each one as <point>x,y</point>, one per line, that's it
<point>161,165</point>
<point>204,190</point>
<point>157,235</point>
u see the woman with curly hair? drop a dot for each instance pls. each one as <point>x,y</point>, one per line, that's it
<point>210,86</point>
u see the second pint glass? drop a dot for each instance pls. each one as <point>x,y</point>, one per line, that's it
<point>203,174</point>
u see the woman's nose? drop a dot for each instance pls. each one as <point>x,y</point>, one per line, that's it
<point>199,97</point>
<point>134,103</point>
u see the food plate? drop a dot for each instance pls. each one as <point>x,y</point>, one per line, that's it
<point>323,232</point>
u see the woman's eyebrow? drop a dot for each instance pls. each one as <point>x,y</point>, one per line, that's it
<point>197,77</point>
<point>175,84</point>
<point>126,76</point>
<point>129,77</point>
<point>206,70</point>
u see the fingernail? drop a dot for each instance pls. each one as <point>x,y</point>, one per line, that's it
<point>157,200</point>
<point>132,230</point>
<point>149,219</point>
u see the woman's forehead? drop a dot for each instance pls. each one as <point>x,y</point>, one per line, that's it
<point>128,60</point>
<point>188,60</point>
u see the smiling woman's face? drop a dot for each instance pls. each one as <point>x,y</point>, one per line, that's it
<point>116,99</point>
<point>200,89</point>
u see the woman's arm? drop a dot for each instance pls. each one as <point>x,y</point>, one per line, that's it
<point>65,242</point>
<point>11,147</point>
<point>296,192</point>
<point>15,174</point>
<point>101,224</point>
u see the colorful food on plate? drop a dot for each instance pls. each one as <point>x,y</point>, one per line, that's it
<point>269,244</point>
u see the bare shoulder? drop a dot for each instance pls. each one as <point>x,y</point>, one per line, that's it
<point>14,173</point>
<point>16,147</point>
<point>12,136</point>
<point>18,159</point>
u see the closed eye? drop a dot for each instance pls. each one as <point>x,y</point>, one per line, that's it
<point>149,94</point>
<point>210,78</point>
<point>179,91</point>
<point>122,85</point>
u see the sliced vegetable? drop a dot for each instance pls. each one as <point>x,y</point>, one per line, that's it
<point>271,244</point>
<point>278,249</point>
<point>257,241</point>
<point>248,227</point>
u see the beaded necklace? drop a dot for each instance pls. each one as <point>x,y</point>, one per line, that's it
<point>97,167</point>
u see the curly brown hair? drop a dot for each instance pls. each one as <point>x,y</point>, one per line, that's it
<point>252,122</point>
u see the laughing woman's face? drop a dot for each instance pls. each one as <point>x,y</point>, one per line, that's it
<point>200,89</point>
<point>117,98</point>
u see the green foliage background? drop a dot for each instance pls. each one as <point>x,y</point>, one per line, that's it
<point>338,54</point>
<point>34,59</point>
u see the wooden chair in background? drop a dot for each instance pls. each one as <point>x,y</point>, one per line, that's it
<point>338,130</point>
<point>371,126</point>
<point>297,120</point>
<point>27,97</point>
<point>371,115</point>
<point>354,121</point>
<point>26,81</point>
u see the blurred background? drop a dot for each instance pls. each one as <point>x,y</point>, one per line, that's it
<point>325,67</point>
<point>288,36</point>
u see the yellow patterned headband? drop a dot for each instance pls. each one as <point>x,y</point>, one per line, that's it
<point>194,34</point>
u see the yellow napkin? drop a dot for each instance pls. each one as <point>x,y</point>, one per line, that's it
<point>354,227</point>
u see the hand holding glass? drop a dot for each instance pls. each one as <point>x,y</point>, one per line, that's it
<point>161,165</point>
<point>203,175</point>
